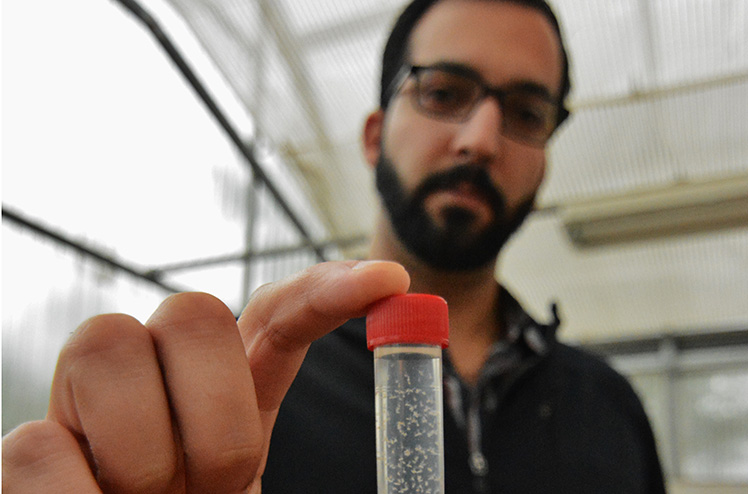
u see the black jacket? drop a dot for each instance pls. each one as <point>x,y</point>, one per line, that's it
<point>567,424</point>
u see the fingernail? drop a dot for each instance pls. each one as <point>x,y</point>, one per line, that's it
<point>364,264</point>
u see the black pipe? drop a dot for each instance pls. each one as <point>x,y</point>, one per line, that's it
<point>17,218</point>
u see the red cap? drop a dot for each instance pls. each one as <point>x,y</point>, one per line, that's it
<point>410,318</point>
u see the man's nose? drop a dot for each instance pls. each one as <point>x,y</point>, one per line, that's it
<point>480,136</point>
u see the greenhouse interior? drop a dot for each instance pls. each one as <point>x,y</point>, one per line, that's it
<point>161,146</point>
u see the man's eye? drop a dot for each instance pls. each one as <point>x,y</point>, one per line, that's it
<point>439,93</point>
<point>442,96</point>
<point>528,114</point>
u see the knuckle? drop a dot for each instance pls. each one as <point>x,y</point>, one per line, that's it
<point>154,476</point>
<point>105,335</point>
<point>183,310</point>
<point>232,466</point>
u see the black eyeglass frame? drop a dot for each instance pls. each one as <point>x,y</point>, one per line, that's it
<point>409,70</point>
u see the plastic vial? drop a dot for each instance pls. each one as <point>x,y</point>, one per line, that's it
<point>407,334</point>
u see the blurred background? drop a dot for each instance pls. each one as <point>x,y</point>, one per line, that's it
<point>210,145</point>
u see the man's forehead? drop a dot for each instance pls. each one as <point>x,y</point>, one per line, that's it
<point>503,41</point>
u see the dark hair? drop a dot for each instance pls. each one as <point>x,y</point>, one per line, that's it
<point>395,51</point>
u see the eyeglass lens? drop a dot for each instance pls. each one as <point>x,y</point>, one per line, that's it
<point>445,95</point>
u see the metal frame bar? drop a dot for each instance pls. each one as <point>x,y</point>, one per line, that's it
<point>683,341</point>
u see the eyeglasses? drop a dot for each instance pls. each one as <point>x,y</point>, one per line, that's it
<point>452,93</point>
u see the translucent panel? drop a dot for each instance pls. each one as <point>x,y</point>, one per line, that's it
<point>699,39</point>
<point>620,47</point>
<point>289,182</point>
<point>686,135</point>
<point>274,230</point>
<point>345,197</point>
<point>305,16</point>
<point>334,69</point>
<point>695,283</point>
<point>605,46</point>
<point>47,292</point>
<point>713,426</point>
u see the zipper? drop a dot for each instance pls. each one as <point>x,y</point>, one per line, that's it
<point>476,459</point>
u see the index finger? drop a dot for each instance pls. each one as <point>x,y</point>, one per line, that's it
<point>282,319</point>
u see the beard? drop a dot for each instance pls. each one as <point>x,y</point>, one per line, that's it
<point>455,244</point>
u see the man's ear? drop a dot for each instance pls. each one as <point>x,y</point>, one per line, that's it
<point>372,137</point>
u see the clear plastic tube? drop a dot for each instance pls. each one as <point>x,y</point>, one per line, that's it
<point>407,334</point>
<point>410,439</point>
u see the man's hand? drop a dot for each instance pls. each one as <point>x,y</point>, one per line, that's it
<point>185,403</point>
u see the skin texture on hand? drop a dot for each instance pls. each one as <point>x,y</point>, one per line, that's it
<point>184,403</point>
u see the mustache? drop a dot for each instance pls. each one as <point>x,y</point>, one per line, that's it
<point>473,175</point>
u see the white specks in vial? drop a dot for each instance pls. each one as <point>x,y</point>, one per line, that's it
<point>411,428</point>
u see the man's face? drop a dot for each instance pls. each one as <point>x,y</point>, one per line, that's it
<point>464,186</point>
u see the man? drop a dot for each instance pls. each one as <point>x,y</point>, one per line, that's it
<point>471,92</point>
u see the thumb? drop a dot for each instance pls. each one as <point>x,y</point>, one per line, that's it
<point>282,319</point>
